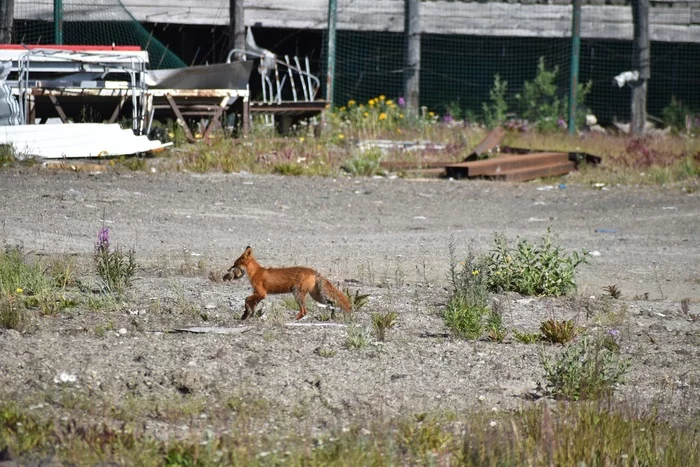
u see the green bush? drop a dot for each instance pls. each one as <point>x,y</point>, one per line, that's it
<point>558,332</point>
<point>532,269</point>
<point>364,163</point>
<point>588,369</point>
<point>675,113</point>
<point>541,105</point>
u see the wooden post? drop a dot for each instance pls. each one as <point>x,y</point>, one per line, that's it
<point>640,62</point>
<point>7,15</point>
<point>236,27</point>
<point>412,68</point>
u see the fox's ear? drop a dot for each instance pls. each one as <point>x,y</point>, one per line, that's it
<point>248,252</point>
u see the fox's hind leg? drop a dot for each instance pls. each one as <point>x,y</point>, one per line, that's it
<point>300,297</point>
<point>250,304</point>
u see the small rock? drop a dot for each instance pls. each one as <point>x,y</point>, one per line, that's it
<point>122,331</point>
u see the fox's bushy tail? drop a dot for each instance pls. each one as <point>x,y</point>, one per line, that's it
<point>330,293</point>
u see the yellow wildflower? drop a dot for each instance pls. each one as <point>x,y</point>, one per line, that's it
<point>371,102</point>
<point>342,109</point>
<point>301,139</point>
<point>390,103</point>
<point>366,114</point>
<point>382,97</point>
<point>351,102</point>
<point>475,272</point>
<point>431,114</point>
<point>382,116</point>
<point>400,115</point>
<point>341,136</point>
<point>398,130</point>
<point>19,290</point>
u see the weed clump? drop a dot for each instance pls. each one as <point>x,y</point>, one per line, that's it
<point>590,368</point>
<point>115,268</point>
<point>468,306</point>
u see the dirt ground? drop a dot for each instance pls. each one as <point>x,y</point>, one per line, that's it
<point>388,237</point>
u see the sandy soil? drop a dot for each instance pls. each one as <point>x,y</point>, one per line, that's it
<point>386,237</point>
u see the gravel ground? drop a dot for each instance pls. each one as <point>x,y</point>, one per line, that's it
<point>386,237</point>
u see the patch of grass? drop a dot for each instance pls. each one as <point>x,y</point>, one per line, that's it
<point>465,312</point>
<point>590,368</point>
<point>21,274</point>
<point>382,322</point>
<point>13,314</point>
<point>358,337</point>
<point>532,269</point>
<point>590,433</point>
<point>527,337</point>
<point>495,328</point>
<point>290,303</point>
<point>558,332</point>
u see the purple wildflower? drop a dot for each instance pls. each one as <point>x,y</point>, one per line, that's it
<point>562,123</point>
<point>401,101</point>
<point>102,240</point>
<point>447,118</point>
<point>614,332</point>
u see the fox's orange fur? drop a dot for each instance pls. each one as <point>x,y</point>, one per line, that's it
<point>299,281</point>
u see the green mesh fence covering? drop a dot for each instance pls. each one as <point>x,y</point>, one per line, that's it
<point>88,22</point>
<point>457,70</point>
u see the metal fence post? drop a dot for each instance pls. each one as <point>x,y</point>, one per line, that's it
<point>330,66</point>
<point>58,22</point>
<point>575,52</point>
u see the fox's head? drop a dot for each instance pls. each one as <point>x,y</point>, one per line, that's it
<point>239,266</point>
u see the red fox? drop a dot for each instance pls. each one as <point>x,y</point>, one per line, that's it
<point>298,281</point>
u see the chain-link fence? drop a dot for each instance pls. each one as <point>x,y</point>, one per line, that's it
<point>458,66</point>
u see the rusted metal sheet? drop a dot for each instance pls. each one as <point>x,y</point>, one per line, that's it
<point>497,165</point>
<point>491,142</point>
<point>533,172</point>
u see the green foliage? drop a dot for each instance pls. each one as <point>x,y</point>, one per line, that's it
<point>495,112</point>
<point>357,300</point>
<point>115,268</point>
<point>468,306</point>
<point>20,274</point>
<point>382,323</point>
<point>532,269</point>
<point>364,163</point>
<point>495,328</point>
<point>527,337</point>
<point>588,369</point>
<point>358,337</point>
<point>7,155</point>
<point>464,318</point>
<point>13,314</point>
<point>541,105</point>
<point>558,332</point>
<point>675,113</point>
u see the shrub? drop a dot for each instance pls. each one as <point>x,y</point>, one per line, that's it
<point>530,269</point>
<point>495,112</point>
<point>114,268</point>
<point>364,163</point>
<point>382,323</point>
<point>587,369</point>
<point>357,300</point>
<point>541,105</point>
<point>675,114</point>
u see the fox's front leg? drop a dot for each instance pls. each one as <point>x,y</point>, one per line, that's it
<point>250,304</point>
